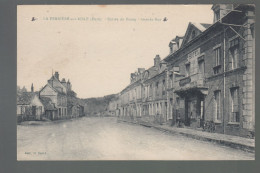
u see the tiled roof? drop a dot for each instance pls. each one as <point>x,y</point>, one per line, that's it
<point>25,98</point>
<point>47,103</point>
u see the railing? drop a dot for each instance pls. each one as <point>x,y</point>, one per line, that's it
<point>197,79</point>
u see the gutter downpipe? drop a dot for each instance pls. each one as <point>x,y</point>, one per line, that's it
<point>224,83</point>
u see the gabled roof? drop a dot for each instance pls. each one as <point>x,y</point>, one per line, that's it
<point>198,27</point>
<point>47,103</point>
<point>54,89</point>
<point>50,87</point>
<point>25,98</point>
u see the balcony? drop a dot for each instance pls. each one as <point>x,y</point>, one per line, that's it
<point>194,80</point>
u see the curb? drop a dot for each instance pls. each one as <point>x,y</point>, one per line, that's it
<point>227,143</point>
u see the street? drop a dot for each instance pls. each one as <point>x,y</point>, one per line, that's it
<point>106,139</point>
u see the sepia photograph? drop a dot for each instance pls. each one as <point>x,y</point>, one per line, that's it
<point>136,82</point>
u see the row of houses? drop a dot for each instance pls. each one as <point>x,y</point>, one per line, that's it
<point>208,78</point>
<point>56,100</point>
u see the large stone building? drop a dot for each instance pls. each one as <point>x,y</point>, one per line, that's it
<point>207,79</point>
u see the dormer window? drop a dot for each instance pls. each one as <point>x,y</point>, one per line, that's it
<point>216,15</point>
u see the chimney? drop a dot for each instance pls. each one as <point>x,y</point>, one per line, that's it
<point>157,60</point>
<point>32,88</point>
<point>220,10</point>
<point>141,70</point>
<point>57,75</point>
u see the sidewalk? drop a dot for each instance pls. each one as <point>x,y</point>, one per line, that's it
<point>227,140</point>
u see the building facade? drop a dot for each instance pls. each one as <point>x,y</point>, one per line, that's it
<point>56,91</point>
<point>29,107</point>
<point>208,79</point>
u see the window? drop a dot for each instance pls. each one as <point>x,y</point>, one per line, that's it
<point>151,90</point>
<point>188,69</point>
<point>170,82</point>
<point>234,57</point>
<point>201,67</point>
<point>163,91</point>
<point>217,60</point>
<point>233,53</point>
<point>157,88</point>
<point>234,114</point>
<point>217,106</point>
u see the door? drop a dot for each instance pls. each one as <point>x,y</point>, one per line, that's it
<point>188,113</point>
<point>33,112</point>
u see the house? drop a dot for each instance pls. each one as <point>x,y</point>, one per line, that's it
<point>56,91</point>
<point>29,107</point>
<point>51,112</point>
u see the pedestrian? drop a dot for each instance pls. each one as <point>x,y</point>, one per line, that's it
<point>178,121</point>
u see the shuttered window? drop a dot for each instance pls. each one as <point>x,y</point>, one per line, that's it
<point>217,105</point>
<point>234,114</point>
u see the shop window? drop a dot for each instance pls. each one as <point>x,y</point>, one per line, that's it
<point>234,114</point>
<point>217,105</point>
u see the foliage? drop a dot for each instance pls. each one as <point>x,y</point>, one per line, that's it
<point>21,90</point>
<point>94,106</point>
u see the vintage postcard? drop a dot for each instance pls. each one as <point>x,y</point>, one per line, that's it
<point>136,82</point>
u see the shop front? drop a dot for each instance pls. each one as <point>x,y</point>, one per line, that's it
<point>190,106</point>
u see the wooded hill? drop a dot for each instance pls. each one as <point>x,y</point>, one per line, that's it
<point>95,106</point>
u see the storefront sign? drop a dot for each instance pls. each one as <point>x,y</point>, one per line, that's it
<point>184,81</point>
<point>194,54</point>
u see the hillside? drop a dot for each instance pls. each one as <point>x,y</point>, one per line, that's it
<point>94,106</point>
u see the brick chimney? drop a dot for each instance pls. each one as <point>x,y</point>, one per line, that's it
<point>57,75</point>
<point>157,60</point>
<point>32,88</point>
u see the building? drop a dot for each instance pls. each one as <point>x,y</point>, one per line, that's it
<point>208,79</point>
<point>154,92</point>
<point>113,107</point>
<point>51,111</point>
<point>130,104</point>
<point>212,72</point>
<point>29,107</point>
<point>56,91</point>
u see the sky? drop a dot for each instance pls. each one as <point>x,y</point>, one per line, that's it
<point>97,47</point>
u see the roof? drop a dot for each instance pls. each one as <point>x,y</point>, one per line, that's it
<point>25,98</point>
<point>201,26</point>
<point>56,90</point>
<point>47,103</point>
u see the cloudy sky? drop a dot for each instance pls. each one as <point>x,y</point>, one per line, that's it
<point>97,47</point>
